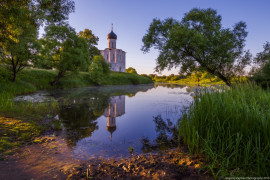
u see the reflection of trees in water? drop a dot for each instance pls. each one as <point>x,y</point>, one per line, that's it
<point>79,118</point>
<point>166,136</point>
<point>80,108</point>
<point>171,86</point>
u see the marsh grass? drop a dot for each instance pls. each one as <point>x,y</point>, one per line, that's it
<point>232,128</point>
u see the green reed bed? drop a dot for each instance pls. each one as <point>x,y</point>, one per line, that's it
<point>231,128</point>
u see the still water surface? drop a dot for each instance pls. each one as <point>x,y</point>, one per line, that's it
<point>106,121</point>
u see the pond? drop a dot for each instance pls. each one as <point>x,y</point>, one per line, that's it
<point>112,121</point>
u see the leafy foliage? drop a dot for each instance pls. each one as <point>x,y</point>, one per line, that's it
<point>17,55</point>
<point>199,40</point>
<point>91,40</point>
<point>66,50</point>
<point>18,36</point>
<point>98,69</point>
<point>261,72</point>
<point>19,24</point>
<point>131,70</point>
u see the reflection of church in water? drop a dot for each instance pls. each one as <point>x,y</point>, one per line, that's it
<point>116,108</point>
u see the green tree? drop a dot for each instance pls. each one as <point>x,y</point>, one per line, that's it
<point>16,16</point>
<point>170,77</point>
<point>43,60</point>
<point>18,46</point>
<point>41,11</point>
<point>261,70</point>
<point>199,40</point>
<point>262,58</point>
<point>92,40</point>
<point>19,24</point>
<point>67,51</point>
<point>131,70</point>
<point>98,69</point>
<point>207,75</point>
<point>151,76</point>
<point>197,76</point>
<point>19,55</point>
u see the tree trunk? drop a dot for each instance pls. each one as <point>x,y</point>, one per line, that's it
<point>14,76</point>
<point>57,78</point>
<point>224,79</point>
<point>218,74</point>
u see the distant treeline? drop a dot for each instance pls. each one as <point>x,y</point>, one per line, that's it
<point>195,78</point>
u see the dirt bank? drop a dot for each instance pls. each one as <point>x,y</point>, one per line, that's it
<point>52,159</point>
<point>172,164</point>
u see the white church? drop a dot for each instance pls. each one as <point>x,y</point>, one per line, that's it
<point>115,57</point>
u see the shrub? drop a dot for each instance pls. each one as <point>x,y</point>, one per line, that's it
<point>131,70</point>
<point>134,80</point>
<point>98,69</point>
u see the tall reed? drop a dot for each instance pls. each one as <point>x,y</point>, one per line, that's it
<point>232,129</point>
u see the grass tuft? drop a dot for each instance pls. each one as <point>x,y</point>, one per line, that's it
<point>232,128</point>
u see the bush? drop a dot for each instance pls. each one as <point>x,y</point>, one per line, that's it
<point>232,128</point>
<point>145,75</point>
<point>98,69</point>
<point>134,80</point>
<point>131,70</point>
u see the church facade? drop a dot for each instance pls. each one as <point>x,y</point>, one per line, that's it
<point>116,58</point>
<point>116,108</point>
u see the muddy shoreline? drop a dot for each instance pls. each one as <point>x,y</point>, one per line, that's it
<point>171,164</point>
<point>52,159</point>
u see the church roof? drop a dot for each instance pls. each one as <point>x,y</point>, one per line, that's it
<point>111,35</point>
<point>111,129</point>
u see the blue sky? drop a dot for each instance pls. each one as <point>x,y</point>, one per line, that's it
<point>131,19</point>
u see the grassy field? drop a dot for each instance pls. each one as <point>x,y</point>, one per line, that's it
<point>31,80</point>
<point>232,129</point>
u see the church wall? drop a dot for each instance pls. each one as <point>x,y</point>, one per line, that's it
<point>116,107</point>
<point>116,58</point>
<point>112,43</point>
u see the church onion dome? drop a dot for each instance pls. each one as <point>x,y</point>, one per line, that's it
<point>111,35</point>
<point>111,129</point>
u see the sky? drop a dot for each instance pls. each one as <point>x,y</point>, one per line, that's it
<point>132,18</point>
